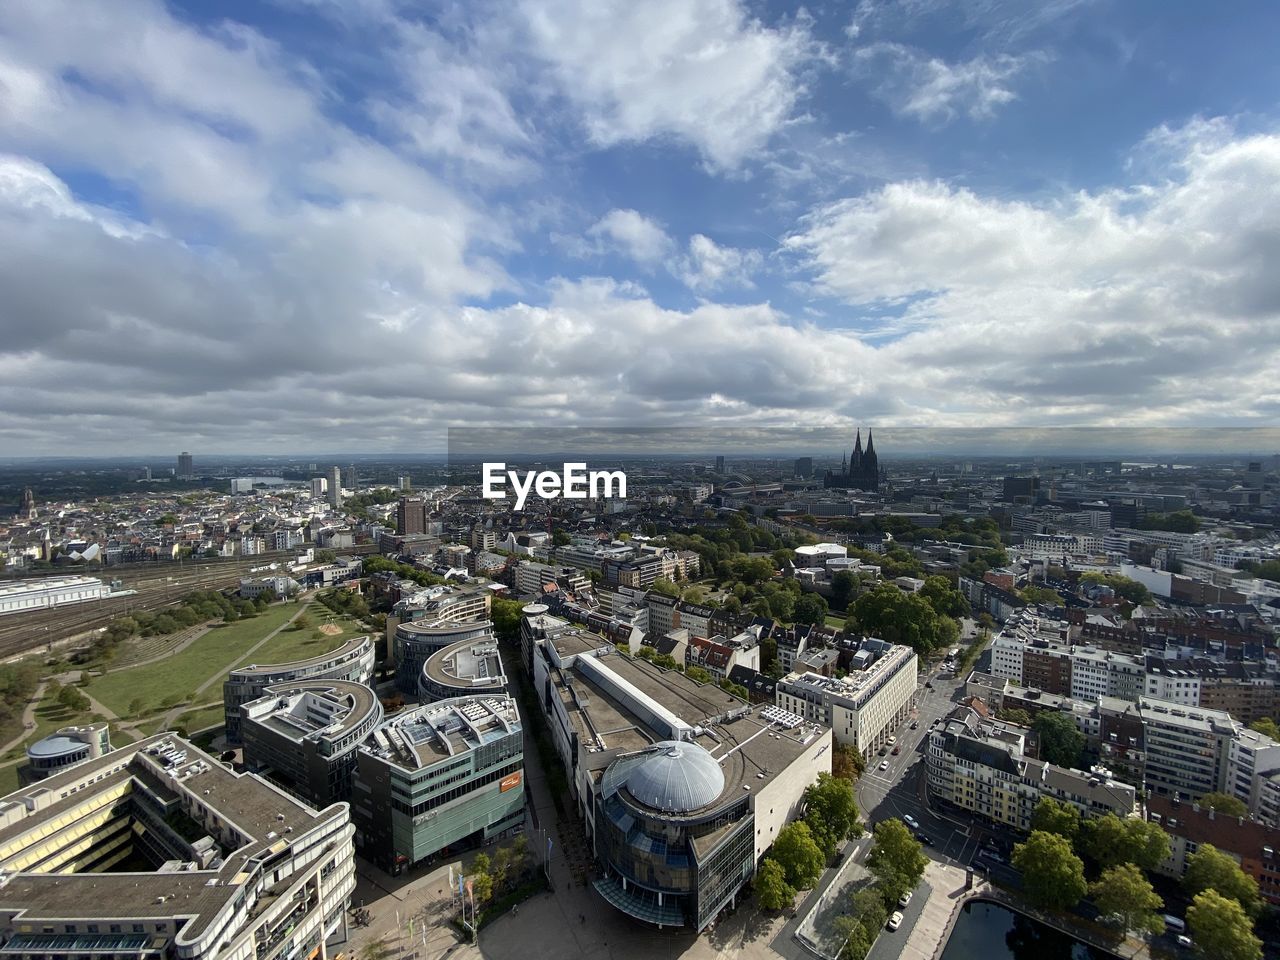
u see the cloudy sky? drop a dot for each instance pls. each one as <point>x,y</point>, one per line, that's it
<point>351,224</point>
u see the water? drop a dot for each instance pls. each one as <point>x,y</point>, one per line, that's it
<point>989,931</point>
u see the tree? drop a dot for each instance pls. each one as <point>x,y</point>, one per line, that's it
<point>1221,929</point>
<point>831,812</point>
<point>1224,803</point>
<point>1211,869</point>
<point>1109,841</point>
<point>896,859</point>
<point>898,617</point>
<point>1050,816</point>
<point>771,887</point>
<point>1124,891</point>
<point>1266,726</point>
<point>811,608</point>
<point>1052,876</point>
<point>698,675</point>
<point>560,539</point>
<point>844,587</point>
<point>945,599</point>
<point>135,706</point>
<point>506,616</point>
<point>1015,716</point>
<point>482,878</point>
<point>73,700</point>
<point>665,587</point>
<point>798,854</point>
<point>1061,741</point>
<point>847,763</point>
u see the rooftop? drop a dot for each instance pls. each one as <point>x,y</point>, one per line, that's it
<point>353,647</point>
<point>313,709</point>
<point>427,734</point>
<point>467,664</point>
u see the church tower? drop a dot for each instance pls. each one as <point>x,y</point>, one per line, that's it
<point>28,510</point>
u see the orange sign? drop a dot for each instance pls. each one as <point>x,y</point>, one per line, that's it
<point>510,781</point>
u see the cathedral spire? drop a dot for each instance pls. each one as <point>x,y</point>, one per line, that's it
<point>871,444</point>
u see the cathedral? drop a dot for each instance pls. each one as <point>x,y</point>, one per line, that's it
<point>861,471</point>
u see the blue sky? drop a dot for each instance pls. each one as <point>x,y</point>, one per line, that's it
<point>314,224</point>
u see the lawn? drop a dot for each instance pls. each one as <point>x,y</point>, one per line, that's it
<point>289,645</point>
<point>197,719</point>
<point>9,779</point>
<point>179,676</point>
<point>50,715</point>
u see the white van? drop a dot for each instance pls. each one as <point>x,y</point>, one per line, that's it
<point>1174,924</point>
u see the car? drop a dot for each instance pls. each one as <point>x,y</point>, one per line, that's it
<point>884,764</point>
<point>928,685</point>
<point>1185,941</point>
<point>924,839</point>
<point>904,899</point>
<point>895,921</point>
<point>896,750</point>
<point>915,724</point>
<point>911,821</point>
<point>892,741</point>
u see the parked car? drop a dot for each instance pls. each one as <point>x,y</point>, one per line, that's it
<point>1184,941</point>
<point>896,749</point>
<point>895,921</point>
<point>884,764</point>
<point>924,838</point>
<point>915,724</point>
<point>904,899</point>
<point>911,821</point>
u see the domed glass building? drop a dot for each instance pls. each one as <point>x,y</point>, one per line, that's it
<point>675,843</point>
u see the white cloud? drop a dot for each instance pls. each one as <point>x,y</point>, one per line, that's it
<point>702,73</point>
<point>631,233</point>
<point>709,266</point>
<point>928,88</point>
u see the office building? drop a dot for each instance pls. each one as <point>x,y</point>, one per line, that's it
<point>803,468</point>
<point>335,487</point>
<point>319,486</point>
<point>156,851</point>
<point>186,466</point>
<point>681,791</point>
<point>466,668</point>
<point>64,748</point>
<point>411,516</point>
<point>446,774</point>
<point>459,603</point>
<point>866,706</point>
<point>352,661</point>
<point>414,643</point>
<point>720,464</point>
<point>302,736</point>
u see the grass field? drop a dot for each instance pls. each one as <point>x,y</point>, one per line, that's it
<point>180,675</point>
<point>9,779</point>
<point>290,645</point>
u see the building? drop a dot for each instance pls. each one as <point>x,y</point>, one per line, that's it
<point>681,789</point>
<point>536,625</point>
<point>443,775</point>
<point>416,641</point>
<point>981,766</point>
<point>65,748</point>
<point>281,586</point>
<point>466,668</point>
<point>803,468</point>
<point>352,661</point>
<point>462,604</point>
<point>319,485</point>
<point>866,706</point>
<point>411,516</point>
<point>27,595</point>
<point>27,512</point>
<point>335,487</point>
<point>155,850</point>
<point>861,471</point>
<point>720,464</point>
<point>1186,748</point>
<point>1255,846</point>
<point>186,466</point>
<point>302,736</point>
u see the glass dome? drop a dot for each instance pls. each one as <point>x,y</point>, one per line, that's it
<point>676,777</point>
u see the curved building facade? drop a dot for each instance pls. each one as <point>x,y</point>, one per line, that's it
<point>465,668</point>
<point>353,661</point>
<point>677,846</point>
<point>415,642</point>
<point>65,748</point>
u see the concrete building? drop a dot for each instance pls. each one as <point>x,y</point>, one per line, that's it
<point>446,774</point>
<point>415,642</point>
<point>27,595</point>
<point>319,485</point>
<point>1255,846</point>
<point>352,661</point>
<point>465,668</point>
<point>155,850</point>
<point>65,748</point>
<point>335,487</point>
<point>186,466</point>
<point>867,705</point>
<point>411,516</point>
<point>461,604</point>
<point>681,792</point>
<point>302,736</point>
<point>1186,748</point>
<point>981,766</point>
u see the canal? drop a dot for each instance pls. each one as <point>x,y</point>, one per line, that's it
<point>990,931</point>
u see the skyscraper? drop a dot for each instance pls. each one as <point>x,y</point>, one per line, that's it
<point>803,468</point>
<point>186,467</point>
<point>411,515</point>
<point>719,464</point>
<point>335,486</point>
<point>318,487</point>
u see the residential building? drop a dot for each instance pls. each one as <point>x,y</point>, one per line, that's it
<point>186,466</point>
<point>302,736</point>
<point>1186,748</point>
<point>352,661</point>
<point>156,851</point>
<point>411,516</point>
<point>1254,846</point>
<point>445,774</point>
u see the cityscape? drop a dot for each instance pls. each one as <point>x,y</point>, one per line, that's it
<point>601,481</point>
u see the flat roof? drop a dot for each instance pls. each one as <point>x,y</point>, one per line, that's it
<point>425,735</point>
<point>352,704</point>
<point>468,664</point>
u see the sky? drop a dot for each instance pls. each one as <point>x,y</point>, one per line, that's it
<point>296,225</point>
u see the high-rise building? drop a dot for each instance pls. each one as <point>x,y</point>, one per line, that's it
<point>146,473</point>
<point>353,480</point>
<point>719,464</point>
<point>186,467</point>
<point>411,516</point>
<point>405,484</point>
<point>335,486</point>
<point>318,487</point>
<point>804,468</point>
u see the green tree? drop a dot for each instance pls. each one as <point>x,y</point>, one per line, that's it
<point>1224,803</point>
<point>1124,890</point>
<point>831,812</point>
<point>665,587</point>
<point>560,539</point>
<point>1211,869</point>
<point>1109,840</point>
<point>798,854</point>
<point>898,617</point>
<point>481,877</point>
<point>698,675</point>
<point>1061,741</point>
<point>847,763</point>
<point>1052,876</point>
<point>896,859</point>
<point>1221,929</point>
<point>844,587</point>
<point>811,608</point>
<point>1016,716</point>
<point>945,599</point>
<point>1050,816</point>
<point>771,887</point>
<point>1266,726</point>
<point>506,616</point>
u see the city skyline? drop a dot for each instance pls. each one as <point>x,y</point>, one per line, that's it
<point>243,231</point>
